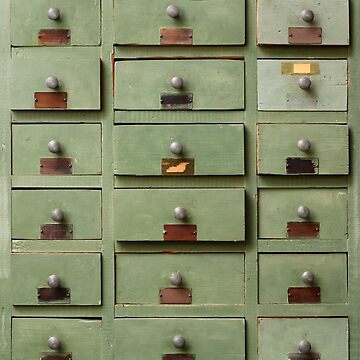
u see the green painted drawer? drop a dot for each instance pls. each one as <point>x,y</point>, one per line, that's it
<point>278,85</point>
<point>79,274</point>
<point>281,22</point>
<point>79,84</point>
<point>80,338</point>
<point>282,149</point>
<point>215,214</point>
<point>279,272</point>
<point>328,337</point>
<point>34,208</point>
<point>204,338</point>
<point>279,219</point>
<point>208,22</point>
<point>212,279</point>
<point>81,18</point>
<point>33,145</point>
<point>206,150</point>
<point>207,84</point>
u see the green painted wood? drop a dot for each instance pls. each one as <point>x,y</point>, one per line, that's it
<point>80,79</point>
<point>139,215</point>
<point>277,207</point>
<point>277,142</point>
<point>276,16</point>
<point>31,209</point>
<point>226,19</point>
<point>301,181</point>
<point>329,337</point>
<point>303,310</point>
<point>80,142</point>
<point>58,311</point>
<point>79,337</point>
<point>31,271</point>
<point>281,92</point>
<point>50,181</point>
<point>214,279</point>
<point>215,149</point>
<point>210,82</point>
<point>206,338</point>
<point>303,117</point>
<point>20,246</point>
<point>284,270</point>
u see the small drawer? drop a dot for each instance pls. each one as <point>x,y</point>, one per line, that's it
<point>177,150</point>
<point>316,213</point>
<point>48,84</point>
<point>180,339</point>
<point>308,22</point>
<point>56,214</point>
<point>183,22</point>
<point>190,279</point>
<point>302,149</point>
<point>56,339</point>
<point>302,278</point>
<point>303,339</point>
<point>53,149</point>
<point>302,85</point>
<point>179,215</point>
<point>179,85</point>
<point>56,279</point>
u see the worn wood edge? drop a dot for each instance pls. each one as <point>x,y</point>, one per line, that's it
<point>44,246</point>
<point>53,181</point>
<point>57,311</point>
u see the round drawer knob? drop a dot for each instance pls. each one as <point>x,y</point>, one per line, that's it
<point>180,213</point>
<point>303,212</point>
<point>177,82</point>
<point>173,11</point>
<point>53,281</point>
<point>54,343</point>
<point>54,146</point>
<point>307,15</point>
<point>178,341</point>
<point>304,83</point>
<point>52,82</point>
<point>54,14</point>
<point>304,346</point>
<point>308,277</point>
<point>176,148</point>
<point>304,145</point>
<point>57,215</point>
<point>175,278</point>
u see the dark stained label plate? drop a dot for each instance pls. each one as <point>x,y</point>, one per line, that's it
<point>305,35</point>
<point>56,357</point>
<point>184,232</point>
<point>56,166</point>
<point>46,295</point>
<point>50,100</point>
<point>176,101</point>
<point>302,229</point>
<point>302,166</point>
<point>307,356</point>
<point>175,296</point>
<point>56,232</point>
<point>54,37</point>
<point>304,295</point>
<point>179,357</point>
<point>176,36</point>
<point>177,167</point>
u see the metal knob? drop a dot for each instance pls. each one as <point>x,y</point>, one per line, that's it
<point>304,346</point>
<point>304,83</point>
<point>178,341</point>
<point>54,146</point>
<point>57,215</point>
<point>303,212</point>
<point>304,145</point>
<point>173,11</point>
<point>53,281</point>
<point>180,213</point>
<point>176,148</point>
<point>54,14</point>
<point>175,278</point>
<point>52,82</point>
<point>54,343</point>
<point>177,82</point>
<point>307,15</point>
<point>308,277</point>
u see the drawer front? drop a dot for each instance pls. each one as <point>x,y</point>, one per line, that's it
<point>303,149</point>
<point>55,23</point>
<point>197,85</point>
<point>302,85</point>
<point>304,22</point>
<point>56,279</point>
<point>302,278</point>
<point>68,338</point>
<point>210,279</point>
<point>187,22</point>
<point>56,214</point>
<point>179,150</point>
<point>203,215</point>
<point>204,338</point>
<point>303,213</point>
<point>53,149</point>
<point>327,337</point>
<point>40,84</point>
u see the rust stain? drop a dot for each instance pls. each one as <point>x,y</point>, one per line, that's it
<point>178,169</point>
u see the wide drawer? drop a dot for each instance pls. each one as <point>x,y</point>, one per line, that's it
<point>56,279</point>
<point>179,215</point>
<point>178,150</point>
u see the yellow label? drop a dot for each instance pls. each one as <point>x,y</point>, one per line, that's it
<point>300,68</point>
